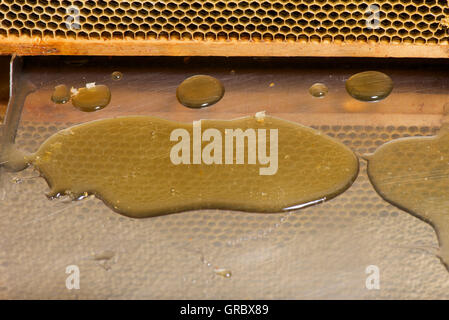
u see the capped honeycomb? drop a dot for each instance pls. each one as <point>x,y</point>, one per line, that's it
<point>304,21</point>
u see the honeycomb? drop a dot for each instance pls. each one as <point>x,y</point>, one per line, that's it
<point>325,21</point>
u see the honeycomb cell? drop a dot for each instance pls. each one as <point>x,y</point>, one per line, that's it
<point>401,21</point>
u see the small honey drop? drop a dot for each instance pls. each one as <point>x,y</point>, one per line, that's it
<point>223,272</point>
<point>200,91</point>
<point>117,76</point>
<point>61,94</point>
<point>91,98</point>
<point>318,90</point>
<point>13,159</point>
<point>369,86</point>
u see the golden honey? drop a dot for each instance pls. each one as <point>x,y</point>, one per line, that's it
<point>91,98</point>
<point>369,86</point>
<point>128,163</point>
<point>318,90</point>
<point>117,76</point>
<point>200,91</point>
<point>413,174</point>
<point>61,94</point>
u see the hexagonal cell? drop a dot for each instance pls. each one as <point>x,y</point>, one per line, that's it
<point>136,4</point>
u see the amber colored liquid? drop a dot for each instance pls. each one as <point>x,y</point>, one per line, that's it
<point>200,91</point>
<point>369,86</point>
<point>61,94</point>
<point>318,90</point>
<point>92,99</point>
<point>126,163</point>
<point>117,75</point>
<point>413,174</point>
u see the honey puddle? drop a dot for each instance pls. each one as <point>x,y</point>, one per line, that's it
<point>127,163</point>
<point>413,174</point>
<point>200,91</point>
<point>369,86</point>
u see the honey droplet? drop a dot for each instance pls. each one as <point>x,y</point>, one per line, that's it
<point>200,91</point>
<point>318,90</point>
<point>117,76</point>
<point>225,273</point>
<point>13,159</point>
<point>369,86</point>
<point>61,94</point>
<point>91,98</point>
